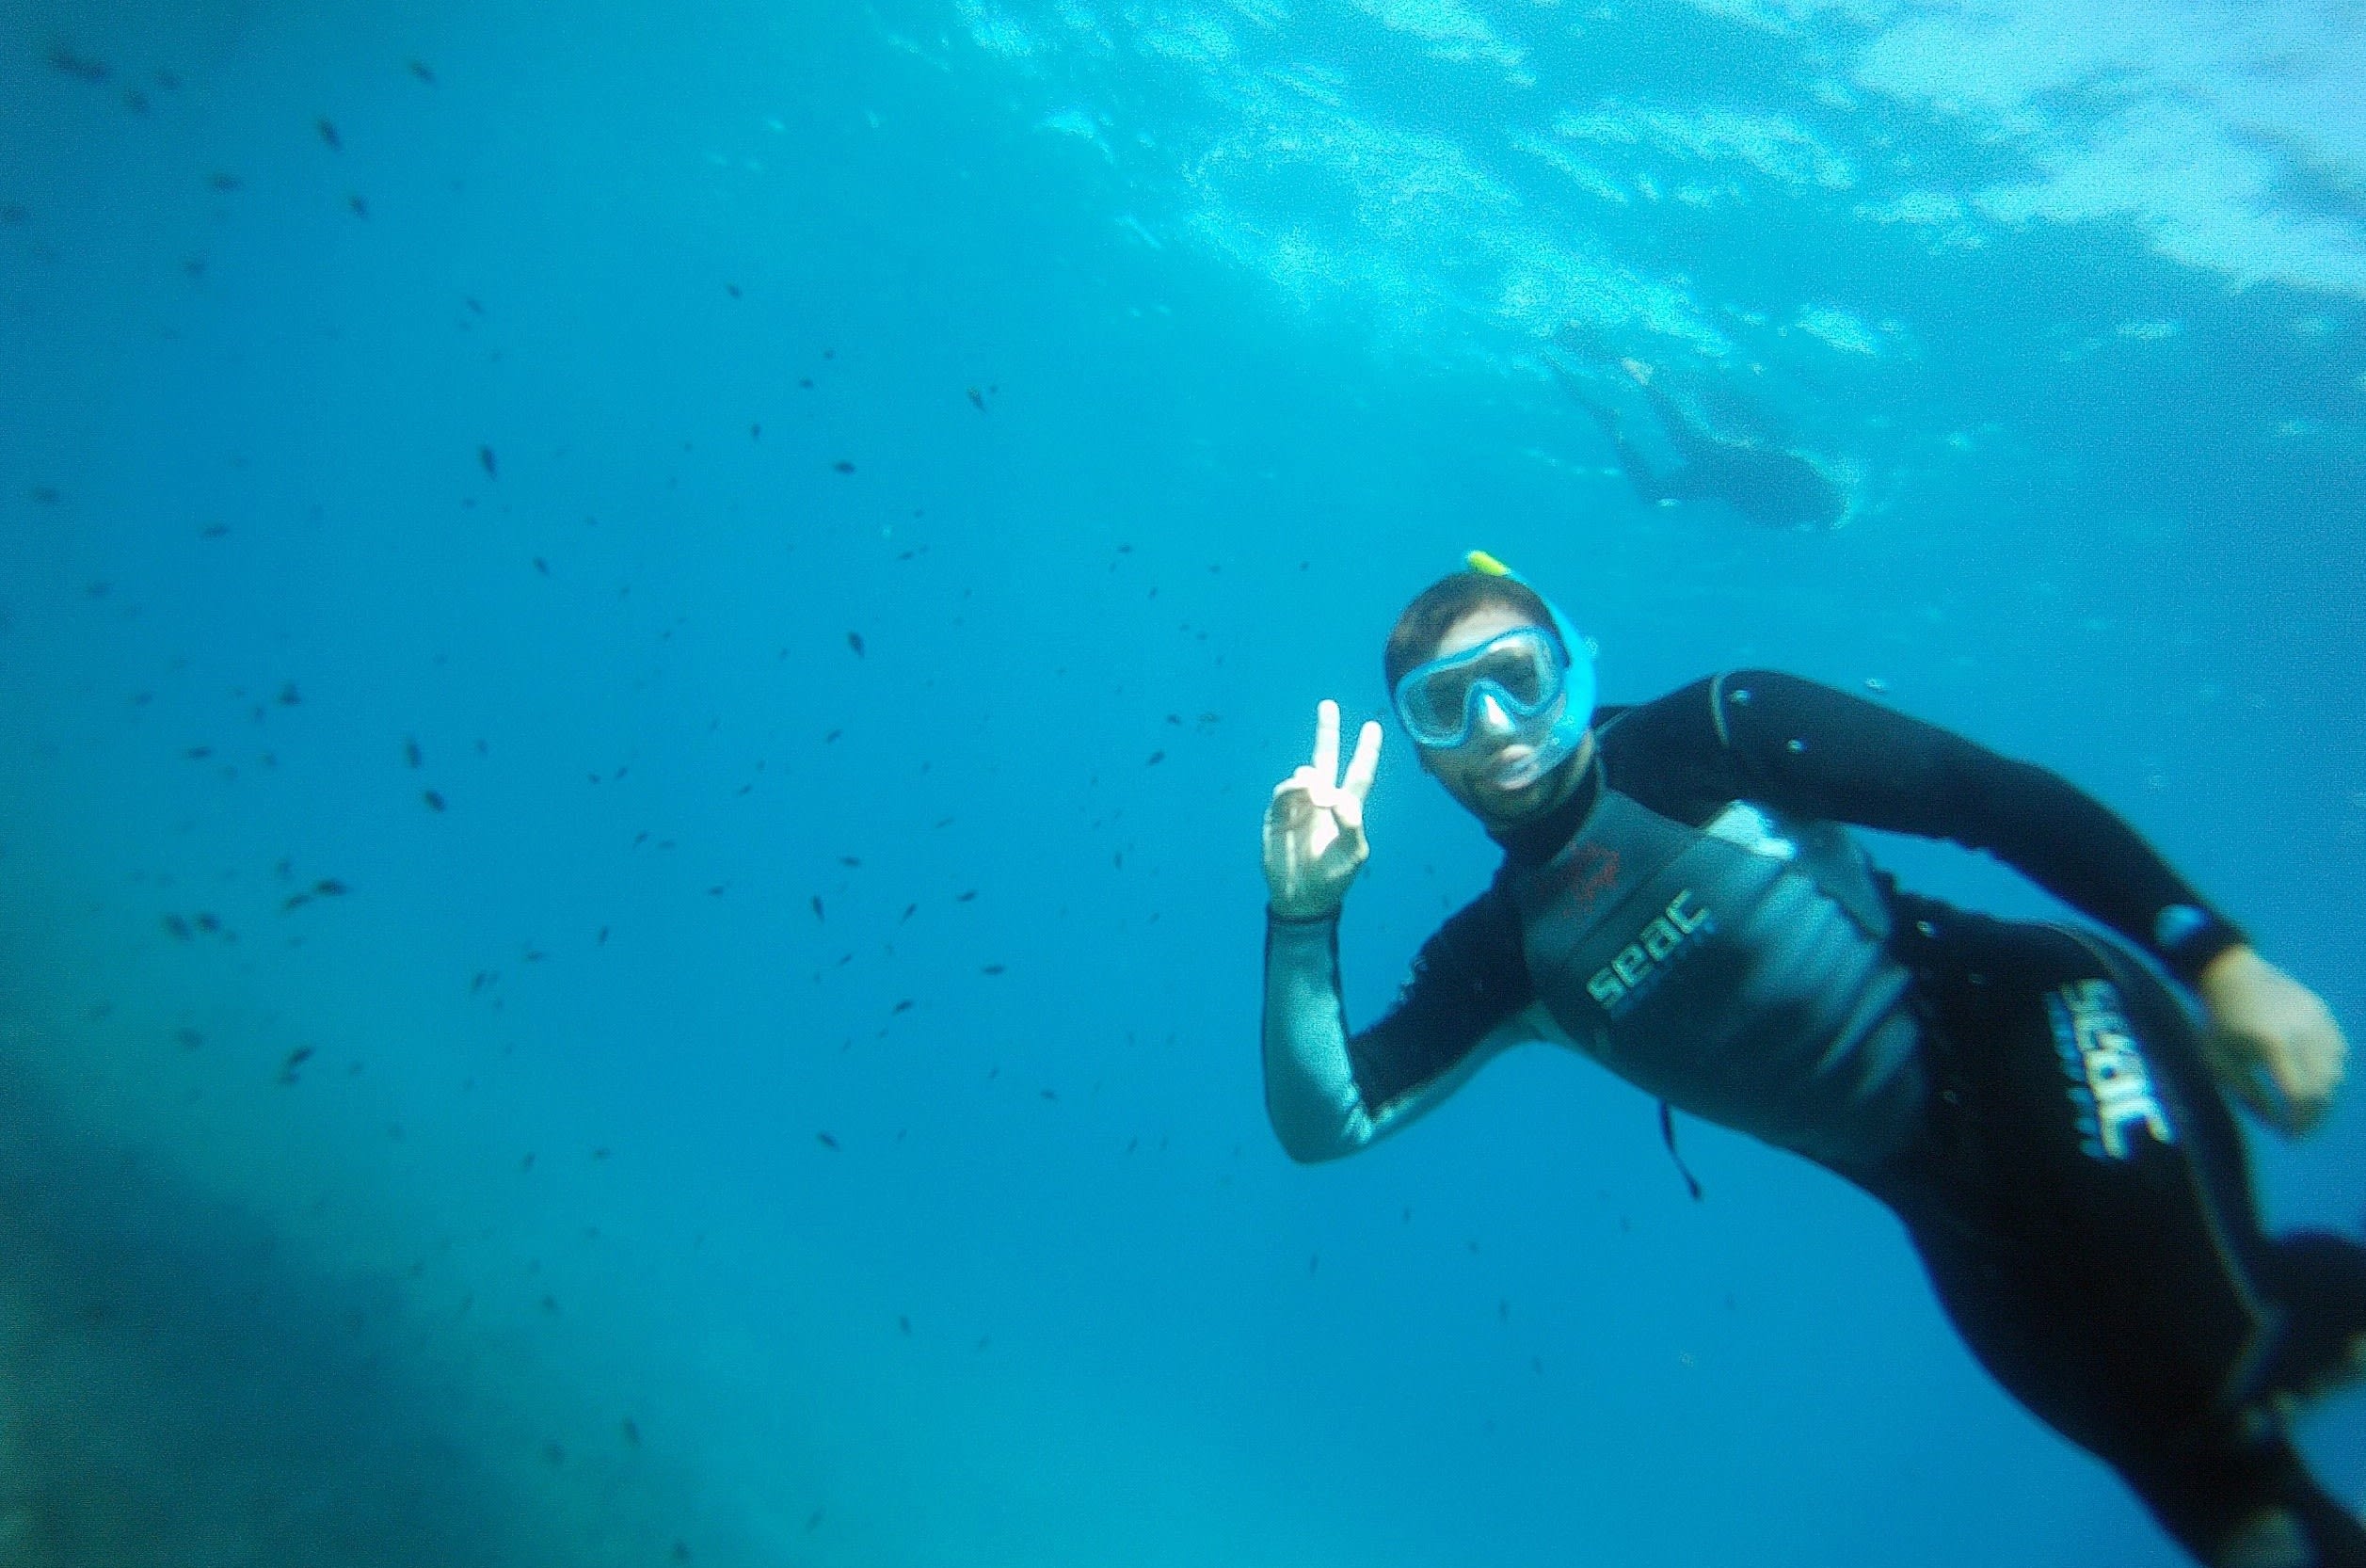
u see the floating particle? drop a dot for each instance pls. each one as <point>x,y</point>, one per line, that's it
<point>434,800</point>
<point>360,205</point>
<point>328,134</point>
<point>854,641</point>
<point>491,464</point>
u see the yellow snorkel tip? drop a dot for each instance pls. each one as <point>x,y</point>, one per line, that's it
<point>1480,561</point>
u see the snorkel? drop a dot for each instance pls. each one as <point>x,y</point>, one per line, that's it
<point>1566,731</point>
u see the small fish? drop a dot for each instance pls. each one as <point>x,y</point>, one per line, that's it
<point>904,1324</point>
<point>45,495</point>
<point>843,466</point>
<point>295,901</point>
<point>177,928</point>
<point>853,861</point>
<point>427,73</point>
<point>909,910</point>
<point>329,886</point>
<point>542,566</point>
<point>297,1057</point>
<point>731,289</point>
<point>289,697</point>
<point>817,907</point>
<point>854,641</point>
<point>410,751</point>
<point>328,134</point>
<point>197,754</point>
<point>490,463</point>
<point>827,1141</point>
<point>965,895</point>
<point>1156,757</point>
<point>209,923</point>
<point>360,205</point>
<point>434,801</point>
<point>977,399</point>
<point>992,969</point>
<point>524,1165</point>
<point>832,736</point>
<point>631,1432</point>
<point>602,940</point>
<point>903,1007</point>
<point>78,66</point>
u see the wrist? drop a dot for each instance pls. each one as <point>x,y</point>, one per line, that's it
<point>1300,915</point>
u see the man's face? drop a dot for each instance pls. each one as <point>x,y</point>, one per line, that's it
<point>1470,770</point>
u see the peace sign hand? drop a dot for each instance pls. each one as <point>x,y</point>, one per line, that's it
<point>1314,828</point>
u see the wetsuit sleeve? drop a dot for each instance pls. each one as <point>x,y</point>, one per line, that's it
<point>1814,751</point>
<point>1329,1093</point>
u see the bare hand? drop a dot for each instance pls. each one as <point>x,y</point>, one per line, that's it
<point>2271,1040</point>
<point>1314,828</point>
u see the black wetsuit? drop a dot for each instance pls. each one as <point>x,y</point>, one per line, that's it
<point>2029,1099</point>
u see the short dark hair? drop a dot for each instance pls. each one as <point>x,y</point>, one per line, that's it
<point>1436,608</point>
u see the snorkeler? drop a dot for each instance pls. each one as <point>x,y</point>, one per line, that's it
<point>1764,484</point>
<point>1680,900</point>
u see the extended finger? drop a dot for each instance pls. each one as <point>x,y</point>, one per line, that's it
<point>1364,765</point>
<point>1326,761</point>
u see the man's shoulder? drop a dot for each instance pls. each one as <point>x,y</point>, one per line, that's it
<point>1706,699</point>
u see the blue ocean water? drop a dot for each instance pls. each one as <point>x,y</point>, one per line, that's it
<point>644,645</point>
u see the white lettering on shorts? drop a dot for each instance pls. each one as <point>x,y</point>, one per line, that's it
<point>1642,962</point>
<point>2111,1087</point>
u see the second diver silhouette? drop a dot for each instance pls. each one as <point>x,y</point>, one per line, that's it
<point>1764,484</point>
